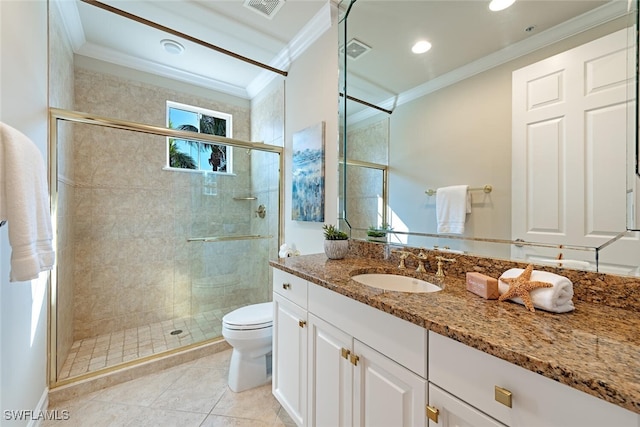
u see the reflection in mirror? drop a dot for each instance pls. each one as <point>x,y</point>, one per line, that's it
<point>486,107</point>
<point>151,255</point>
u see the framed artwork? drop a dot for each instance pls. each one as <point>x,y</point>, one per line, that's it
<point>308,174</point>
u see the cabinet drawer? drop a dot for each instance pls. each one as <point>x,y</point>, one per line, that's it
<point>472,376</point>
<point>291,287</point>
<point>452,412</point>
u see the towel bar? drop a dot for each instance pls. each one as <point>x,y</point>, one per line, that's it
<point>487,189</point>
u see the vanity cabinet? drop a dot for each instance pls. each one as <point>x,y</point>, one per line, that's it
<point>339,362</point>
<point>289,379</point>
<point>350,382</point>
<point>465,382</point>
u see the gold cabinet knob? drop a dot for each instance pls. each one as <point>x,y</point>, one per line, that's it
<point>346,353</point>
<point>432,413</point>
<point>302,323</point>
<point>503,396</point>
<point>286,286</point>
<point>354,359</point>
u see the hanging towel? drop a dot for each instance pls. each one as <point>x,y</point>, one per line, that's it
<point>452,205</point>
<point>558,299</point>
<point>24,204</point>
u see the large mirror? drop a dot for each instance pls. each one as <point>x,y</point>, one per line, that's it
<point>492,106</point>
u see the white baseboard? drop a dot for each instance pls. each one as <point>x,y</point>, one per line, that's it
<point>42,406</point>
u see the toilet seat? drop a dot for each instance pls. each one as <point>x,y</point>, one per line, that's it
<point>251,317</point>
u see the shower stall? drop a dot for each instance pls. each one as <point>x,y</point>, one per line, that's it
<point>149,258</point>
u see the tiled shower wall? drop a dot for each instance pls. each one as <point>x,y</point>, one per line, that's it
<point>368,143</point>
<point>267,125</point>
<point>133,264</point>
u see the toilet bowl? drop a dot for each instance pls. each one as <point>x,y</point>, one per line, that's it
<point>249,331</point>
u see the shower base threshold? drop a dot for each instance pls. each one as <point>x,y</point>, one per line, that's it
<point>104,351</point>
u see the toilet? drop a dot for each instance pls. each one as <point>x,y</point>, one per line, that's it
<point>249,331</point>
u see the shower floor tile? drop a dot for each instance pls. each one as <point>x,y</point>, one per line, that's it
<point>92,354</point>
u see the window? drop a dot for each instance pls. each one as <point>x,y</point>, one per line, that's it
<point>197,155</point>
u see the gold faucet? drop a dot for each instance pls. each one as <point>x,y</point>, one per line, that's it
<point>403,256</point>
<point>422,257</point>
<point>440,272</point>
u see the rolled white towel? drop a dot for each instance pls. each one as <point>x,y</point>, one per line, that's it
<point>287,251</point>
<point>557,299</point>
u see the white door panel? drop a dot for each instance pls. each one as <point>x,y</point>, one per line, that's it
<point>570,124</point>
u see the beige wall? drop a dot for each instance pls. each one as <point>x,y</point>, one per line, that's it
<point>310,98</point>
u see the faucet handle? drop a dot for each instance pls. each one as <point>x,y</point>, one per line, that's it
<point>403,256</point>
<point>440,272</point>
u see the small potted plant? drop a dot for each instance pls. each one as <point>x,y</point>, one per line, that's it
<point>336,244</point>
<point>378,234</point>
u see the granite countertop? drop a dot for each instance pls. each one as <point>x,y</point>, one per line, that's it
<point>595,349</point>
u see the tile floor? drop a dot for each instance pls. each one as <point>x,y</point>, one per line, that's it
<point>92,354</point>
<point>194,394</point>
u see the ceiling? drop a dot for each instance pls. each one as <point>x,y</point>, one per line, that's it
<point>228,24</point>
<point>461,31</point>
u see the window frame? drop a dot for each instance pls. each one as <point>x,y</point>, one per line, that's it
<point>207,112</point>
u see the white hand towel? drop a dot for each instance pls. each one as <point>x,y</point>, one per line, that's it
<point>24,204</point>
<point>557,299</point>
<point>452,205</point>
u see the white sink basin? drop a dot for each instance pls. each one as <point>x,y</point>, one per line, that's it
<point>394,282</point>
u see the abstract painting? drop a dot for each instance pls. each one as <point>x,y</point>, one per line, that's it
<point>308,174</point>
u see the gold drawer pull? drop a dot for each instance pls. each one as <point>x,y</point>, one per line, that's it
<point>302,323</point>
<point>354,359</point>
<point>503,396</point>
<point>345,353</point>
<point>432,413</point>
<point>286,286</point>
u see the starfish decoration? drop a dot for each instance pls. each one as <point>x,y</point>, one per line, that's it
<point>521,286</point>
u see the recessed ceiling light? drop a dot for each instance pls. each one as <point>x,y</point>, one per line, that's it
<point>172,46</point>
<point>497,5</point>
<point>421,47</point>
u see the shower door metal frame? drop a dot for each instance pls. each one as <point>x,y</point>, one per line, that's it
<point>55,115</point>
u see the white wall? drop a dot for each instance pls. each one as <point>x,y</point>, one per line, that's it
<point>23,307</point>
<point>311,96</point>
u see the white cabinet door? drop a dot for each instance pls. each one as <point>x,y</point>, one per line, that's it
<point>452,412</point>
<point>330,375</point>
<point>289,379</point>
<point>385,393</point>
<point>570,123</point>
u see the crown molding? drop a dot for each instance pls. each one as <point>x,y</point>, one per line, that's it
<point>68,11</point>
<point>109,55</point>
<point>316,27</point>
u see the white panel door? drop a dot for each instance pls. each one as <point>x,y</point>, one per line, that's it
<point>570,124</point>
<point>330,375</point>
<point>289,380</point>
<point>385,393</point>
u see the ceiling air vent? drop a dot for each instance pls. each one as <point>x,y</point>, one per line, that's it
<point>267,8</point>
<point>355,49</point>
